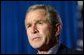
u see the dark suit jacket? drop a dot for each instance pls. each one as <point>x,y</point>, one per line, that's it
<point>64,50</point>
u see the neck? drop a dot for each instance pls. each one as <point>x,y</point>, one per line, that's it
<point>46,52</point>
<point>44,49</point>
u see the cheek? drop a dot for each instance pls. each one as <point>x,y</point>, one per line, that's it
<point>44,29</point>
<point>28,34</point>
<point>45,32</point>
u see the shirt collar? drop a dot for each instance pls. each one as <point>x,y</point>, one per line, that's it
<point>54,49</point>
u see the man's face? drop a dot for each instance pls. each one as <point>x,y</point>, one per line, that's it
<point>38,28</point>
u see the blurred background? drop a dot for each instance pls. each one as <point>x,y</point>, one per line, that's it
<point>13,34</point>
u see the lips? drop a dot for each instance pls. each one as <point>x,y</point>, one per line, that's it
<point>35,38</point>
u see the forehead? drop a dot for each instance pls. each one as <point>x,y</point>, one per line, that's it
<point>38,14</point>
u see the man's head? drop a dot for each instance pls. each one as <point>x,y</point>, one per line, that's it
<point>43,26</point>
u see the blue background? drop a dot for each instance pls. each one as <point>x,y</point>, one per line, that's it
<point>13,34</point>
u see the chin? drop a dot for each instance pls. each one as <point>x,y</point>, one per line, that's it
<point>36,45</point>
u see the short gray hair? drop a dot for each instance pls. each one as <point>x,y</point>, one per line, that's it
<point>54,17</point>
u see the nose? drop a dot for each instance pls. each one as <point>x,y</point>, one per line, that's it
<point>34,29</point>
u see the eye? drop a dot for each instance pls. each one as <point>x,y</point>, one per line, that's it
<point>28,26</point>
<point>40,22</point>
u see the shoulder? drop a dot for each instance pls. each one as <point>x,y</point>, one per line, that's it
<point>65,50</point>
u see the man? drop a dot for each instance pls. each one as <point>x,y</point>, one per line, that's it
<point>43,26</point>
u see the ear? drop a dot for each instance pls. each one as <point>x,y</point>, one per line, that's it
<point>58,28</point>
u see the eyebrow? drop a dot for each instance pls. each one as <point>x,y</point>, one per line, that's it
<point>41,20</point>
<point>45,21</point>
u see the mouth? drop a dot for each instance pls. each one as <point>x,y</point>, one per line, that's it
<point>35,38</point>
